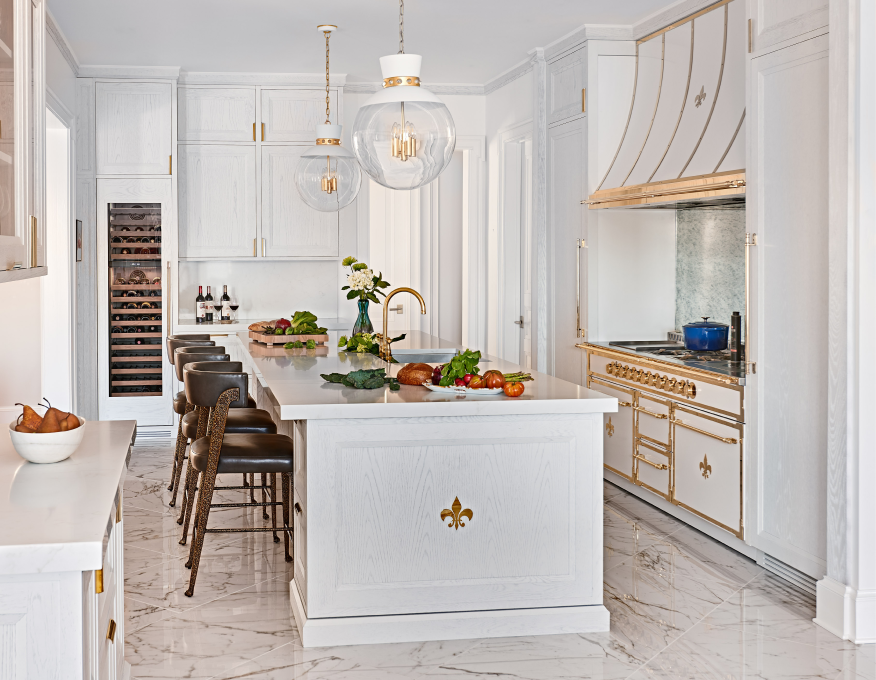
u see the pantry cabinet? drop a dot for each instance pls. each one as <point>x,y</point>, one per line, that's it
<point>217,114</point>
<point>134,130</point>
<point>217,200</point>
<point>566,79</point>
<point>292,115</point>
<point>778,23</point>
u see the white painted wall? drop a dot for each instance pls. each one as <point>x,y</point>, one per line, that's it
<point>19,346</point>
<point>60,78</point>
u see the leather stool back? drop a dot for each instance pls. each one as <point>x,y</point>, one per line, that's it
<point>206,381</point>
<point>187,355</point>
<point>173,342</point>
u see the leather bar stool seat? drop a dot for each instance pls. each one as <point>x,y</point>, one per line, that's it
<point>239,421</point>
<point>179,403</point>
<point>246,453</point>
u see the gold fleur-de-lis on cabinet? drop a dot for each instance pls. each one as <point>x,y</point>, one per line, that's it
<point>701,97</point>
<point>455,514</point>
<point>609,428</point>
<point>705,468</point>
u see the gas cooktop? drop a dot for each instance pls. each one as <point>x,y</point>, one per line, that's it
<point>689,355</point>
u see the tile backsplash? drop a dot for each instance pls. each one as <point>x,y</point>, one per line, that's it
<point>709,264</point>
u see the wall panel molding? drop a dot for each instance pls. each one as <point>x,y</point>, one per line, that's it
<point>60,39</point>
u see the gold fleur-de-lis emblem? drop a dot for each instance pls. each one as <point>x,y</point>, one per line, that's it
<point>455,514</point>
<point>609,428</point>
<point>705,468</point>
<point>701,97</point>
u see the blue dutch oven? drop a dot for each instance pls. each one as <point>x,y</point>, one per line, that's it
<point>705,335</point>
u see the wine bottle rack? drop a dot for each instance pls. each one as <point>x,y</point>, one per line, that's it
<point>136,300</point>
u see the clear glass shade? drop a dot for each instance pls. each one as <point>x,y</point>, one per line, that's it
<point>404,145</point>
<point>325,181</point>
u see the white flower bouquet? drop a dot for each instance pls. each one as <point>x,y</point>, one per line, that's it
<point>361,281</point>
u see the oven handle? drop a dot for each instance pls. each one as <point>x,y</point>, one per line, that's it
<point>659,466</point>
<point>726,440</point>
<point>660,416</point>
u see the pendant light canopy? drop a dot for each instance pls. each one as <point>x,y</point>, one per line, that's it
<point>403,136</point>
<point>328,177</point>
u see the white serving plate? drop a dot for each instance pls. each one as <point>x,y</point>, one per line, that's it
<point>48,447</point>
<point>454,389</point>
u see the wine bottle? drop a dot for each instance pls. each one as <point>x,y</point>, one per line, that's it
<point>132,305</point>
<point>209,306</point>
<point>147,305</point>
<point>117,317</point>
<point>200,306</point>
<point>154,293</point>
<point>117,239</point>
<point>117,329</point>
<point>226,309</point>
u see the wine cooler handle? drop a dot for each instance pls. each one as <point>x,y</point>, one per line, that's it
<point>579,332</point>
<point>169,316</point>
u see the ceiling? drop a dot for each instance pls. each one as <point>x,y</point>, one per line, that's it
<point>462,41</point>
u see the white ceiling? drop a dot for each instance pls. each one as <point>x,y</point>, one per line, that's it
<point>462,41</point>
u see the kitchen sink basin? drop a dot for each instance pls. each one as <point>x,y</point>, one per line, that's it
<point>424,356</point>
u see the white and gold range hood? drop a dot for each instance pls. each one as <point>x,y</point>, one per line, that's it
<point>684,139</point>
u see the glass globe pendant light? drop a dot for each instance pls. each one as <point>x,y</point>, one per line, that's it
<point>328,177</point>
<point>403,136</point>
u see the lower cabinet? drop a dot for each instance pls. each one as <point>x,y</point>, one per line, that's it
<point>617,440</point>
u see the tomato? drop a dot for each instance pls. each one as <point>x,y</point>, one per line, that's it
<point>477,382</point>
<point>493,379</point>
<point>514,389</point>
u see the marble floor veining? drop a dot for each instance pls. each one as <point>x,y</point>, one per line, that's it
<point>682,607</point>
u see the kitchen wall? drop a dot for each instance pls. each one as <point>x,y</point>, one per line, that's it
<point>709,264</point>
<point>20,346</point>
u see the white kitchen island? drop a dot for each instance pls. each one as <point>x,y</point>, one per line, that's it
<point>425,516</point>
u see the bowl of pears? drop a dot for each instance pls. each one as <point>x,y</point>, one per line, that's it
<point>49,438</point>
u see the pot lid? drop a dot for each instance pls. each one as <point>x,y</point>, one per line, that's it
<point>705,323</point>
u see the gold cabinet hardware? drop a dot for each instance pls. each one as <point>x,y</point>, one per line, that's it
<point>705,468</point>
<point>455,514</point>
<point>690,390</point>
<point>33,242</point>
<point>119,511</point>
<point>263,132</point>
<point>624,403</point>
<point>659,416</point>
<point>579,331</point>
<point>583,100</point>
<point>726,440</point>
<point>111,631</point>
<point>659,466</point>
<point>750,242</point>
<point>263,247</point>
<point>98,581</point>
<point>669,385</point>
<point>609,428</point>
<point>297,509</point>
<point>170,165</point>
<point>254,251</point>
<point>253,132</point>
<point>749,36</point>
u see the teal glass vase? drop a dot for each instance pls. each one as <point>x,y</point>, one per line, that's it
<point>363,321</point>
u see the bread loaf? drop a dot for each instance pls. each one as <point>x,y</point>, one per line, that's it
<point>415,374</point>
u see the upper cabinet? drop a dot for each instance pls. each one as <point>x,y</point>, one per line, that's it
<point>134,132</point>
<point>778,23</point>
<point>292,115</point>
<point>217,114</point>
<point>22,139</point>
<point>565,87</point>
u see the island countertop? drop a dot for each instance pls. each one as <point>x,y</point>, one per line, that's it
<point>296,385</point>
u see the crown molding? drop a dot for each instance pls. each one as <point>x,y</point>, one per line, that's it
<point>60,39</point>
<point>231,78</point>
<point>437,88</point>
<point>510,75</point>
<point>584,33</point>
<point>668,15</point>
<point>163,72</point>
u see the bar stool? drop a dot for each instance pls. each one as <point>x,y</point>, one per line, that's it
<point>217,387</point>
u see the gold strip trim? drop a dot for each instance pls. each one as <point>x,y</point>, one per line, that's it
<point>653,445</point>
<point>328,140</point>
<point>682,22</point>
<point>659,466</point>
<point>111,631</point>
<point>705,416</point>
<point>726,440</point>
<point>684,371</point>
<point>730,145</point>
<point>98,581</point>
<point>717,94</point>
<point>34,242</point>
<point>627,126</point>
<point>659,416</point>
<point>727,183</point>
<point>401,81</point>
<point>645,439</point>
<point>620,388</point>
<point>617,472</point>
<point>723,526</point>
<point>656,106</point>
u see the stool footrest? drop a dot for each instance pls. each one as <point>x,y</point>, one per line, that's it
<point>255,529</point>
<point>244,505</point>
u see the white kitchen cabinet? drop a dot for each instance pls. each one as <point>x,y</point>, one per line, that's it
<point>777,23</point>
<point>133,126</point>
<point>787,208</point>
<point>292,115</point>
<point>566,78</point>
<point>217,201</point>
<point>291,228</point>
<point>217,114</point>
<point>567,187</point>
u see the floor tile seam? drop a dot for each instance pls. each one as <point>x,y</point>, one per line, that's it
<point>169,557</point>
<point>129,504</point>
<point>243,663</point>
<point>221,597</point>
<point>164,611</point>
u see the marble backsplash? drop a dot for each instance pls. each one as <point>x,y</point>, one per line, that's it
<point>709,264</point>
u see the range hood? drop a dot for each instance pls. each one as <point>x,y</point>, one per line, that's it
<point>684,139</point>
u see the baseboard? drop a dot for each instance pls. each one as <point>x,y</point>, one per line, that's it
<point>151,435</point>
<point>847,613</point>
<point>364,630</point>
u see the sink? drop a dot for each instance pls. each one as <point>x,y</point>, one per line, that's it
<point>415,355</point>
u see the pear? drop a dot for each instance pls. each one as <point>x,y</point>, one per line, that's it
<point>21,427</point>
<point>72,422</point>
<point>59,414</point>
<point>50,423</point>
<point>30,418</point>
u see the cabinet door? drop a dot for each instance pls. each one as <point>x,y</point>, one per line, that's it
<point>217,114</point>
<point>778,21</point>
<point>217,200</point>
<point>292,115</point>
<point>133,128</point>
<point>565,86</point>
<point>617,429</point>
<point>787,397</point>
<point>291,228</point>
<point>566,186</point>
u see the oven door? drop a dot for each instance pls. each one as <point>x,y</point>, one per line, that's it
<point>617,429</point>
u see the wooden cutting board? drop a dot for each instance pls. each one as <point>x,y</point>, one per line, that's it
<point>271,339</point>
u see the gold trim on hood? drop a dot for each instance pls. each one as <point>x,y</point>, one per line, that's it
<point>728,183</point>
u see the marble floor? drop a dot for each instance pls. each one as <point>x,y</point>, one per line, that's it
<point>682,606</point>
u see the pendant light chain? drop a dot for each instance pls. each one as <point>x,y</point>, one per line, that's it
<point>327,34</point>
<point>401,26</point>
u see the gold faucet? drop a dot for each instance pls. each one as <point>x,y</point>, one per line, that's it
<point>385,352</point>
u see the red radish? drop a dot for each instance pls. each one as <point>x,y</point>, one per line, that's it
<point>460,382</point>
<point>467,378</point>
<point>282,323</point>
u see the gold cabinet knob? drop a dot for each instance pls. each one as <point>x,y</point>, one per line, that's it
<point>691,390</point>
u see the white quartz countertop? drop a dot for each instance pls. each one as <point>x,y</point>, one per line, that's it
<point>294,380</point>
<point>54,518</point>
<point>188,325</point>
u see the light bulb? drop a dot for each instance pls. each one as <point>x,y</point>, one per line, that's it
<point>328,177</point>
<point>403,136</point>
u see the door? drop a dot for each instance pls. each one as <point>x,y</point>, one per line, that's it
<point>133,122</point>
<point>774,22</point>
<point>567,188</point>
<point>292,115</point>
<point>217,114</point>
<point>217,201</point>
<point>291,228</point>
<point>787,199</point>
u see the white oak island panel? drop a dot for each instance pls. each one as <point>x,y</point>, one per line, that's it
<point>423,516</point>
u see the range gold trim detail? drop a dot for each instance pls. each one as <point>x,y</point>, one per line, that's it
<point>726,440</point>
<point>729,183</point>
<point>705,468</point>
<point>682,22</point>
<point>401,81</point>
<point>111,631</point>
<point>659,466</point>
<point>455,514</point>
<point>609,428</point>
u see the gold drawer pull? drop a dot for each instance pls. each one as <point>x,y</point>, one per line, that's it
<point>98,581</point>
<point>297,508</point>
<point>111,631</point>
<point>726,440</point>
<point>624,403</point>
<point>660,416</point>
<point>659,466</point>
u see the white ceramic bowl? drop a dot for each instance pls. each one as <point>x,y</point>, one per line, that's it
<point>47,447</point>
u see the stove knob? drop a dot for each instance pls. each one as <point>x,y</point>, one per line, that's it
<point>609,368</point>
<point>625,372</point>
<point>691,390</point>
<point>638,375</point>
<point>669,385</point>
<point>655,379</point>
<point>646,379</point>
<point>680,387</point>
